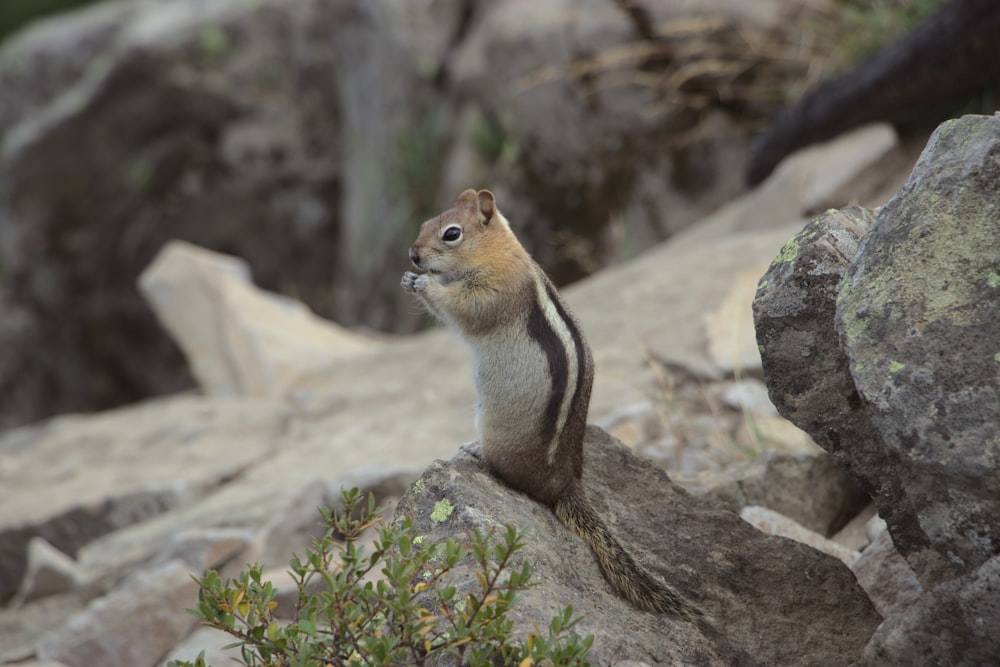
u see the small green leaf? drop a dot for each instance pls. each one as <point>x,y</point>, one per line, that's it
<point>404,545</point>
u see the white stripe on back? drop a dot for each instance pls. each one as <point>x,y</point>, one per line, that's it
<point>562,331</point>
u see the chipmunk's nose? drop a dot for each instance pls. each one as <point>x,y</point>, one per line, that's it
<point>415,257</point>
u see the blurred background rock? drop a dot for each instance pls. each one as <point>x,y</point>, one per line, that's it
<point>311,138</point>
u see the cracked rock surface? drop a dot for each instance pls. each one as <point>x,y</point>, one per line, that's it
<point>879,337</point>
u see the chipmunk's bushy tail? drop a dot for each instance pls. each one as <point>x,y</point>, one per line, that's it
<point>628,578</point>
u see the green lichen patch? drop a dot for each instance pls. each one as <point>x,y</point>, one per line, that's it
<point>923,273</point>
<point>895,366</point>
<point>438,554</point>
<point>789,252</point>
<point>993,279</point>
<point>442,510</point>
<point>991,452</point>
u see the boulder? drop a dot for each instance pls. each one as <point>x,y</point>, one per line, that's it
<point>810,489</point>
<point>883,347</point>
<point>22,626</point>
<point>148,121</point>
<point>104,474</point>
<point>887,577</point>
<point>807,375</point>
<point>243,522</point>
<point>239,340</point>
<point>729,328</point>
<point>729,569</point>
<point>773,523</point>
<point>917,318</point>
<point>135,625</point>
<point>957,623</point>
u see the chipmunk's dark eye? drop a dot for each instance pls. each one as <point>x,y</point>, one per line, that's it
<point>452,235</point>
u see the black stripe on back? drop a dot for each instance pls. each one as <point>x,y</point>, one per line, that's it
<point>581,352</point>
<point>541,331</point>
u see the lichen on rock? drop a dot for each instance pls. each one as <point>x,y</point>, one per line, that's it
<point>885,352</point>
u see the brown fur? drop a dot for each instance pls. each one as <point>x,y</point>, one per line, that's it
<point>483,280</point>
<point>534,373</point>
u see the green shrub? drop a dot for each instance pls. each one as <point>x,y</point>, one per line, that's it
<point>410,616</point>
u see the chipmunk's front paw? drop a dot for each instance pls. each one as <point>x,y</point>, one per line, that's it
<point>413,283</point>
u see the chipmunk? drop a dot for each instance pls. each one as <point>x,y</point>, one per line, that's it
<point>533,373</point>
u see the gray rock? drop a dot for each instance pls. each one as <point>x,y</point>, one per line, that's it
<point>732,571</point>
<point>917,317</point>
<point>874,527</point>
<point>197,120</point>
<point>238,339</point>
<point>103,474</point>
<point>806,371</point>
<point>248,521</point>
<point>855,533</point>
<point>810,489</point>
<point>729,341</point>
<point>887,577</point>
<point>22,626</point>
<point>49,572</point>
<point>885,351</point>
<point>208,640</point>
<point>772,523</point>
<point>204,549</point>
<point>135,625</point>
<point>748,394</point>
<point>957,623</point>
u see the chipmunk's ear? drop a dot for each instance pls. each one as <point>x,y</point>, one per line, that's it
<point>487,206</point>
<point>468,199</point>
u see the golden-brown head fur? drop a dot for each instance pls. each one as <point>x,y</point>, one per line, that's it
<point>470,238</point>
<point>475,261</point>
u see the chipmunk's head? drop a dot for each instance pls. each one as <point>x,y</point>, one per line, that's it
<point>463,240</point>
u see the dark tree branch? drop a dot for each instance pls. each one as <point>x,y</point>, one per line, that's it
<point>953,53</point>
